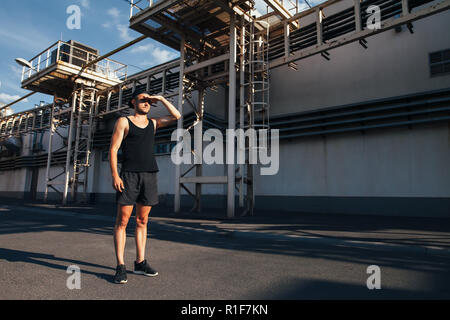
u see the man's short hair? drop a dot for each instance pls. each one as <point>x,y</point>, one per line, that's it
<point>134,96</point>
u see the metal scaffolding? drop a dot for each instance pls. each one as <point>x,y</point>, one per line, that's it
<point>209,33</point>
<point>61,70</point>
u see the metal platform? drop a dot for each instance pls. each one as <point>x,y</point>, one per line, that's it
<point>205,23</point>
<point>61,66</point>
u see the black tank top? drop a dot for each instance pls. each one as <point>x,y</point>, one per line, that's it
<point>137,149</point>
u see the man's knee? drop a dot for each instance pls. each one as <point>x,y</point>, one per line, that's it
<point>142,221</point>
<point>123,216</point>
<point>121,222</point>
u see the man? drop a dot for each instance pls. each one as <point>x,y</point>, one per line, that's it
<point>137,181</point>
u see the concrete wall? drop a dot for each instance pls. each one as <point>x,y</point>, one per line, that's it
<point>13,182</point>
<point>395,162</point>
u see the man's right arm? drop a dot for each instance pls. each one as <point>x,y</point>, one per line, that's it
<point>116,141</point>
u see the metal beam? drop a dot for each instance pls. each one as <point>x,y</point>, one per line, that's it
<point>206,63</point>
<point>356,36</point>
<point>281,11</point>
<point>147,13</point>
<point>205,179</point>
<point>146,30</point>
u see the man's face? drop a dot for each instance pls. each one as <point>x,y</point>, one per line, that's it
<point>142,103</point>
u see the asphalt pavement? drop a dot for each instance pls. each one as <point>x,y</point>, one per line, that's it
<point>207,256</point>
<point>387,233</point>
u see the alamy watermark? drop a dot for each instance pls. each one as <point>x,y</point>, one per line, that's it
<point>374,280</point>
<point>374,18</point>
<point>74,19</point>
<point>257,148</point>
<point>74,280</point>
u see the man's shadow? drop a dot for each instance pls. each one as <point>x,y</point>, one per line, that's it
<point>32,257</point>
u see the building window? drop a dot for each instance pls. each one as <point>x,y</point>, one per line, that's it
<point>439,62</point>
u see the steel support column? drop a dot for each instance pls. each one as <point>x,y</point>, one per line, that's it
<point>49,155</point>
<point>179,125</point>
<point>69,148</point>
<point>231,119</point>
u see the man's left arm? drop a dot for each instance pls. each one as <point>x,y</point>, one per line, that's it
<point>167,120</point>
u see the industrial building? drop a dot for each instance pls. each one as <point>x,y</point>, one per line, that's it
<point>363,110</point>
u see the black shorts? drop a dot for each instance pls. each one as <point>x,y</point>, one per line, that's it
<point>140,187</point>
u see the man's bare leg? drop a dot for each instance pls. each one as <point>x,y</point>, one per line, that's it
<point>142,213</point>
<point>123,215</point>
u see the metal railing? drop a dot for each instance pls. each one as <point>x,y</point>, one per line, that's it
<point>139,4</point>
<point>62,51</point>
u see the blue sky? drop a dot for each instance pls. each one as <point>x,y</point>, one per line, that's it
<point>27,27</point>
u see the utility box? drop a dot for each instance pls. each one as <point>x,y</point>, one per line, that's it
<point>75,53</point>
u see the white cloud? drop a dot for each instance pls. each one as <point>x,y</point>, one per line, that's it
<point>85,4</point>
<point>7,98</point>
<point>158,56</point>
<point>162,55</point>
<point>114,12</point>
<point>124,32</point>
<point>142,48</point>
<point>16,70</point>
<point>116,21</point>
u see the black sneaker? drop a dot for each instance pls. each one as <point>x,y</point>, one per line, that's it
<point>121,274</point>
<point>144,268</point>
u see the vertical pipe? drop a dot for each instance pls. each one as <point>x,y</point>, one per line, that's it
<point>120,98</point>
<point>198,144</point>
<point>358,15</point>
<point>131,8</point>
<point>241,107</point>
<point>179,123</point>
<point>147,88</point>
<point>319,26</point>
<point>108,101</point>
<point>164,83</point>
<point>69,149</point>
<point>29,72</point>
<point>33,125</point>
<point>405,7</point>
<point>77,145</point>
<point>58,51</point>
<point>49,150</point>
<point>286,40</point>
<point>92,107</point>
<point>231,118</point>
